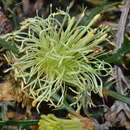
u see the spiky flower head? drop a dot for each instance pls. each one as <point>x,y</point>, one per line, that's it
<point>50,122</point>
<point>59,55</point>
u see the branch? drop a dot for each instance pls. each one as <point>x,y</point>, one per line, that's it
<point>122,24</point>
<point>119,40</point>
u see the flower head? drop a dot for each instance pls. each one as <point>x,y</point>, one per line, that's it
<point>50,122</point>
<point>56,57</point>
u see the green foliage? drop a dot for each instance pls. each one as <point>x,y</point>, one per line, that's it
<point>19,122</point>
<point>119,97</point>
<point>50,122</point>
<point>119,56</point>
<point>9,46</point>
<point>65,105</point>
<point>98,10</point>
<point>107,87</point>
<point>57,57</point>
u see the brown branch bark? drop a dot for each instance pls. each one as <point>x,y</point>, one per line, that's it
<point>122,25</point>
<point>119,40</point>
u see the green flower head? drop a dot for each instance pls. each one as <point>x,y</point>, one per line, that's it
<point>50,122</point>
<point>58,55</point>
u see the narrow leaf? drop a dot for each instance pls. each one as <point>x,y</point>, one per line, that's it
<point>9,46</point>
<point>98,10</point>
<point>118,96</point>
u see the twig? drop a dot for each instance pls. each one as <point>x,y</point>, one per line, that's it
<point>26,6</point>
<point>4,108</point>
<point>122,24</point>
<point>70,5</point>
<point>119,41</point>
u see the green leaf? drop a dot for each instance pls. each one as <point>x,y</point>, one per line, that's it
<point>98,10</point>
<point>108,86</point>
<point>65,104</point>
<point>95,2</point>
<point>9,46</point>
<point>119,97</point>
<point>114,58</point>
<point>128,77</point>
<point>119,56</point>
<point>125,47</point>
<point>19,122</point>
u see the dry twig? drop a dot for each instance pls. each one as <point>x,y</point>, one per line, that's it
<point>119,40</point>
